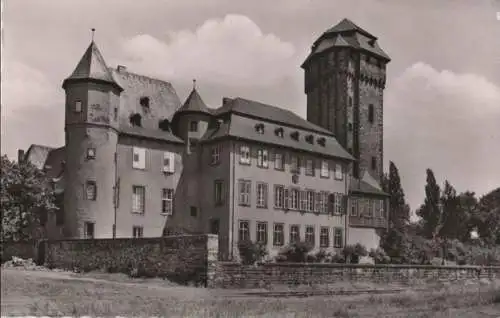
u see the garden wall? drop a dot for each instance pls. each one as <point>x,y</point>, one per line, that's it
<point>233,275</point>
<point>184,259</point>
<point>24,249</point>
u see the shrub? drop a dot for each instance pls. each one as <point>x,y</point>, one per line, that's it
<point>352,253</point>
<point>251,252</point>
<point>338,258</point>
<point>296,252</point>
<point>322,256</point>
<point>379,256</point>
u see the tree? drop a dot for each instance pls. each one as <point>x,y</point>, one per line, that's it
<point>399,210</point>
<point>26,194</point>
<point>468,205</point>
<point>454,220</point>
<point>487,217</point>
<point>430,211</point>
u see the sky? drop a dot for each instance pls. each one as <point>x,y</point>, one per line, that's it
<point>442,96</point>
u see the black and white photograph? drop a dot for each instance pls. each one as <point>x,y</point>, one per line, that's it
<point>229,158</point>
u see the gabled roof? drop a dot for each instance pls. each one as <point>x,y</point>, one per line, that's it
<point>37,155</point>
<point>194,103</point>
<point>268,113</point>
<point>92,67</point>
<point>347,25</point>
<point>156,134</point>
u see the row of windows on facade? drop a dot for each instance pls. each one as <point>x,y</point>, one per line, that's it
<point>263,159</point>
<point>89,231</point>
<point>143,101</point>
<point>278,234</point>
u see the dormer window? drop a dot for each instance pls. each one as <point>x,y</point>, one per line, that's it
<point>279,132</point>
<point>321,141</point>
<point>144,101</point>
<point>164,125</point>
<point>135,120</point>
<point>78,106</point>
<point>295,135</point>
<point>310,139</point>
<point>193,126</point>
<point>259,128</point>
<point>371,42</point>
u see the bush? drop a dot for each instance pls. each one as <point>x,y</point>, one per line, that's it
<point>352,253</point>
<point>251,252</point>
<point>296,252</point>
<point>379,256</point>
<point>338,258</point>
<point>322,256</point>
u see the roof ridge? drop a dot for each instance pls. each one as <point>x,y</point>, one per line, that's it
<point>114,70</point>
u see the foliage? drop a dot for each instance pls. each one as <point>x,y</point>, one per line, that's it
<point>25,195</point>
<point>352,253</point>
<point>296,252</point>
<point>320,256</point>
<point>430,211</point>
<point>399,210</point>
<point>251,252</point>
<point>487,218</point>
<point>379,256</point>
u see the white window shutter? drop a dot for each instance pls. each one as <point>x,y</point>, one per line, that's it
<point>172,162</point>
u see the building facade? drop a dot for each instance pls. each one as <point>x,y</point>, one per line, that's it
<point>138,163</point>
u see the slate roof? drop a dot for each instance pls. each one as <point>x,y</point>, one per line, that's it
<point>194,103</point>
<point>54,165</point>
<point>362,186</point>
<point>242,116</point>
<point>37,155</point>
<point>269,113</point>
<point>92,66</point>
<point>347,34</point>
<point>156,134</point>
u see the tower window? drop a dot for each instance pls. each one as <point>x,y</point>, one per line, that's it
<point>371,113</point>
<point>193,126</point>
<point>91,190</point>
<point>90,153</point>
<point>78,106</point>
<point>115,113</point>
<point>135,120</point>
<point>144,101</point>
<point>374,163</point>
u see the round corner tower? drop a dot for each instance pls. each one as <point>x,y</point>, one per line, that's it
<point>345,76</point>
<point>91,138</point>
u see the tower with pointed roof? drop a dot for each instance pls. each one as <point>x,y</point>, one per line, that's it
<point>345,76</point>
<point>91,137</point>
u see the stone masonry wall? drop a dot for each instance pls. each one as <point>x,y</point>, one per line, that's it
<point>233,275</point>
<point>184,259</point>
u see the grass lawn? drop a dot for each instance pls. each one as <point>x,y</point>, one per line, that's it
<point>57,294</point>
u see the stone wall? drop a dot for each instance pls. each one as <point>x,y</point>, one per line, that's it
<point>233,275</point>
<point>25,249</point>
<point>184,259</point>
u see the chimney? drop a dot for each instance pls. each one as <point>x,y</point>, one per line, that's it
<point>121,68</point>
<point>20,155</point>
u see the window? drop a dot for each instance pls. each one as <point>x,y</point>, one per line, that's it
<point>321,141</point>
<point>261,195</point>
<point>309,167</point>
<point>371,113</point>
<point>323,205</point>
<point>219,192</point>
<point>135,120</point>
<point>338,204</point>
<point>294,233</point>
<point>215,155</point>
<point>78,106</point>
<point>168,162</point>
<point>278,234</point>
<point>279,132</point>
<point>244,231</point>
<point>294,194</point>
<point>193,126</point>
<point>244,190</point>
<point>262,232</point>
<point>354,207</point>
<point>193,211</point>
<point>303,200</point>
<point>89,230</point>
<point>339,174</point>
<point>245,155</point>
<point>137,231</point>
<point>91,190</point>
<point>193,142</point>
<point>324,237</point>
<point>309,139</point>
<point>350,101</point>
<point>310,235</point>
<point>294,164</point>
<point>90,153</point>
<point>144,101</point>
<point>325,169</point>
<point>278,161</point>
<point>349,126</point>
<point>310,201</point>
<point>295,135</point>
<point>138,195</point>
<point>374,163</point>
<point>279,196</point>
<point>262,158</point>
<point>371,208</point>
<point>214,226</point>
<point>139,158</point>
<point>259,128</point>
<point>338,238</point>
<point>317,202</point>
<point>115,113</point>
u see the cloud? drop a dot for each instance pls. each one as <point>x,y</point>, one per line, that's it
<point>230,50</point>
<point>25,88</point>
<point>445,121</point>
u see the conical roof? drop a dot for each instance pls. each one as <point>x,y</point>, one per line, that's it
<point>194,103</point>
<point>92,67</point>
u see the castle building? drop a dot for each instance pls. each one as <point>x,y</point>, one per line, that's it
<point>138,163</point>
